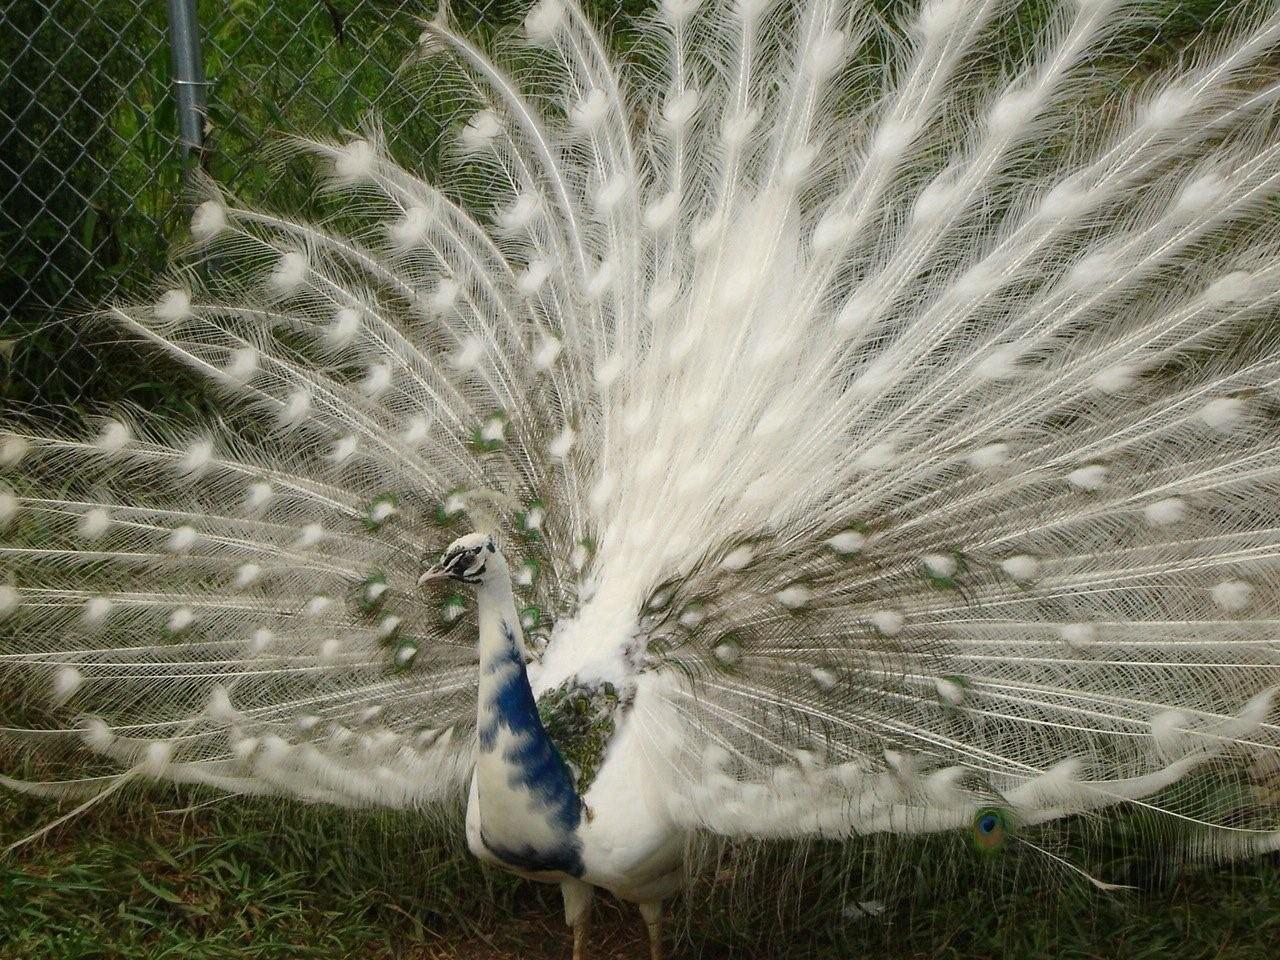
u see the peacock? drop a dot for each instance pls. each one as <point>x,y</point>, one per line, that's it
<point>818,419</point>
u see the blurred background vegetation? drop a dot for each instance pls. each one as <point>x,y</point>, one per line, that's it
<point>92,188</point>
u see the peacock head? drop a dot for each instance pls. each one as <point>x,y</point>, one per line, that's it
<point>473,559</point>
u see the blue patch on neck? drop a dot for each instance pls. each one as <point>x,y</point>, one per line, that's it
<point>561,858</point>
<point>533,762</point>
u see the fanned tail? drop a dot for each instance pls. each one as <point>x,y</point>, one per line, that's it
<point>233,602</point>
<point>950,477</point>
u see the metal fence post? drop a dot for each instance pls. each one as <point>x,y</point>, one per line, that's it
<point>188,72</point>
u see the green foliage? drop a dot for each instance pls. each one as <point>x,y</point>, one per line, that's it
<point>176,877</point>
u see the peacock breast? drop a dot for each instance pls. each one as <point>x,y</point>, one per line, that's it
<point>581,720</point>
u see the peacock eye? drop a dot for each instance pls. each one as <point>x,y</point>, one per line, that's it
<point>989,829</point>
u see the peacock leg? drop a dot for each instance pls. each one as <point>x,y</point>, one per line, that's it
<point>652,913</point>
<point>580,935</point>
<point>577,913</point>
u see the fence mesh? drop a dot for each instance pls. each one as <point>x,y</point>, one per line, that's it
<point>91,172</point>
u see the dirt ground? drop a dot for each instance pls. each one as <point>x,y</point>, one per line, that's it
<point>613,936</point>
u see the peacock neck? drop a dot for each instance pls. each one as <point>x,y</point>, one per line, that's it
<point>500,633</point>
<point>529,808</point>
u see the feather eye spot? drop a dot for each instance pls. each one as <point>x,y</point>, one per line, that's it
<point>97,735</point>
<point>1166,512</point>
<point>289,273</point>
<point>182,539</point>
<point>590,111</point>
<point>174,305</point>
<point>824,679</point>
<point>892,139</point>
<point>416,431</point>
<point>989,831</point>
<point>481,130</point>
<point>1223,414</point>
<point>544,20</point>
<point>241,365</point>
<point>1078,636</point>
<point>342,329</point>
<point>444,296</point>
<point>180,620</point>
<point>847,542</point>
<point>294,409</point>
<point>1114,379</point>
<point>219,707</point>
<point>67,681</point>
<point>113,437</point>
<point>246,575</point>
<point>13,449</point>
<point>8,507</point>
<point>354,161</point>
<point>1063,201</point>
<point>1089,478</point>
<point>411,229</point>
<point>1233,596</point>
<point>1021,567</point>
<point>95,610</point>
<point>610,194</point>
<point>679,110</point>
<point>377,380</point>
<point>317,607</point>
<point>878,456</point>
<point>940,566</point>
<point>1168,108</point>
<point>196,458</point>
<point>662,212</point>
<point>257,496</point>
<point>727,653</point>
<point>520,214</point>
<point>988,456</point>
<point>950,691</point>
<point>887,623</point>
<point>1231,288</point>
<point>562,443</point>
<point>156,758</point>
<point>208,220</point>
<point>794,597</point>
<point>469,355</point>
<point>547,354</point>
<point>938,17</point>
<point>308,536</point>
<point>343,449</point>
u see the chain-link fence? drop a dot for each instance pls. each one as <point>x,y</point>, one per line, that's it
<point>92,169</point>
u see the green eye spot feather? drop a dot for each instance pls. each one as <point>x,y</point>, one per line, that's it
<point>991,827</point>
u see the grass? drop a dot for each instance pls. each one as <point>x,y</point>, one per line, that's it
<point>167,876</point>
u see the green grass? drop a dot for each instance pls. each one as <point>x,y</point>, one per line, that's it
<point>170,877</point>
<point>235,880</point>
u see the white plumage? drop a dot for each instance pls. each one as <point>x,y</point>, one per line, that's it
<point>855,450</point>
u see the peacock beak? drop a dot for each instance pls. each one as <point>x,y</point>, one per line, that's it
<point>437,572</point>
